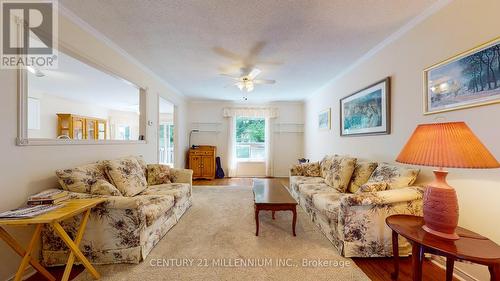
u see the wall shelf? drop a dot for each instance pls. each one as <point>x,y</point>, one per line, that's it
<point>294,128</point>
<point>206,127</point>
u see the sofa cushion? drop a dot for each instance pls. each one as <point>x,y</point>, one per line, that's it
<point>127,175</point>
<point>307,170</point>
<point>295,181</point>
<point>340,172</point>
<point>394,176</point>
<point>158,174</point>
<point>361,175</point>
<point>178,190</point>
<point>307,191</point>
<point>86,179</point>
<point>155,206</point>
<point>327,203</point>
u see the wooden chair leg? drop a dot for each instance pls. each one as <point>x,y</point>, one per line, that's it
<point>27,257</point>
<point>78,240</point>
<point>74,248</point>
<point>20,251</point>
<point>395,255</point>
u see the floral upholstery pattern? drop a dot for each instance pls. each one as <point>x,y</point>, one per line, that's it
<point>306,170</point>
<point>394,176</point>
<point>86,179</point>
<point>127,175</point>
<point>296,181</point>
<point>158,174</point>
<point>325,165</point>
<point>340,172</point>
<point>361,174</point>
<point>355,223</point>
<point>123,229</point>
<point>373,187</point>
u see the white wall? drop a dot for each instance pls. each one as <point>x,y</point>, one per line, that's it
<point>459,26</point>
<point>27,170</point>
<point>288,147</point>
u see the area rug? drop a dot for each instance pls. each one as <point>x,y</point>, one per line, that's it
<point>215,240</point>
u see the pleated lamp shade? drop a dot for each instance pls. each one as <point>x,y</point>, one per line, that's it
<point>450,145</point>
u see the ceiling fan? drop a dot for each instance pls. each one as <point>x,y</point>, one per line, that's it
<point>247,82</point>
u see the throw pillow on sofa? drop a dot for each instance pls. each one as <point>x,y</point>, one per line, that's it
<point>361,175</point>
<point>394,176</point>
<point>325,165</point>
<point>307,170</point>
<point>89,178</point>
<point>127,175</point>
<point>340,172</point>
<point>158,174</point>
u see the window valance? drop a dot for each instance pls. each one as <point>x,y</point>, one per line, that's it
<point>251,112</point>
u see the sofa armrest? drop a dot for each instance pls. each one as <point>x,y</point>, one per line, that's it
<point>385,197</point>
<point>182,176</point>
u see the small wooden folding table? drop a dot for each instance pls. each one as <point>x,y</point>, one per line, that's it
<point>69,209</point>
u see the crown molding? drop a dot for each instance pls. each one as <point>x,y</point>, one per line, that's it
<point>108,42</point>
<point>386,42</point>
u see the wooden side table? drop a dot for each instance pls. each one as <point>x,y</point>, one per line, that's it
<point>471,247</point>
<point>70,209</point>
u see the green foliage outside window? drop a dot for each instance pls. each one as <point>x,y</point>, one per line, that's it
<point>250,130</point>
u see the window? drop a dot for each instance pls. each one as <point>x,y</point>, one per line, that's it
<point>250,139</point>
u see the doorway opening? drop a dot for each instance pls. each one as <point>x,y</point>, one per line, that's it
<point>166,129</point>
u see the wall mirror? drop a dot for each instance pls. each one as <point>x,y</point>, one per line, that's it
<point>78,103</point>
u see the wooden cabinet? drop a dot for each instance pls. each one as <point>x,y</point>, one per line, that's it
<point>202,162</point>
<point>81,127</point>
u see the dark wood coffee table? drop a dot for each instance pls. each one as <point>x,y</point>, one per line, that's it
<point>271,195</point>
<point>470,247</point>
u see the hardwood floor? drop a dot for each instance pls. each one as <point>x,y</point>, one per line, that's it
<point>377,269</point>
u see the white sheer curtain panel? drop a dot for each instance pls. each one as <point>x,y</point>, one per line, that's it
<point>231,146</point>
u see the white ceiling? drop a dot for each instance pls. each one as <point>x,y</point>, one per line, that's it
<point>76,81</point>
<point>302,44</point>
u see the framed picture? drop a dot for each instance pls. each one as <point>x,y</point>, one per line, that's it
<point>325,119</point>
<point>469,79</point>
<point>368,111</point>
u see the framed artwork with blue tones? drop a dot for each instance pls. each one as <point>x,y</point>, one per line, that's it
<point>324,119</point>
<point>466,80</point>
<point>368,111</point>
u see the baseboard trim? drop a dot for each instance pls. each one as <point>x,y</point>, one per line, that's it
<point>457,272</point>
<point>30,271</point>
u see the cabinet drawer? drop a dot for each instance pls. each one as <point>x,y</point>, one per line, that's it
<point>200,153</point>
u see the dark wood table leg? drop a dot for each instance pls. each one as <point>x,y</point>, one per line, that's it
<point>417,255</point>
<point>294,221</point>
<point>273,215</point>
<point>494,272</point>
<point>450,264</point>
<point>395,255</point>
<point>256,220</point>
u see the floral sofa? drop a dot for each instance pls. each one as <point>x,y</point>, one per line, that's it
<point>349,200</point>
<point>143,203</point>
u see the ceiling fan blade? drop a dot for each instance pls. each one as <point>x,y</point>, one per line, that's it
<point>230,76</point>
<point>254,73</point>
<point>264,81</point>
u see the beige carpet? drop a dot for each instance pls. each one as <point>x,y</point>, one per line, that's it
<point>218,236</point>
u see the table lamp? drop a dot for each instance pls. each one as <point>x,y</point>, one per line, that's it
<point>444,145</point>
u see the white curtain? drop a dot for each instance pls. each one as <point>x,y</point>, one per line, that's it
<point>231,114</point>
<point>231,147</point>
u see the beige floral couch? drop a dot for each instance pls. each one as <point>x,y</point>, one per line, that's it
<point>349,200</point>
<point>135,217</point>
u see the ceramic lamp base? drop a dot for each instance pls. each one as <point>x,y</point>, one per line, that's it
<point>441,208</point>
